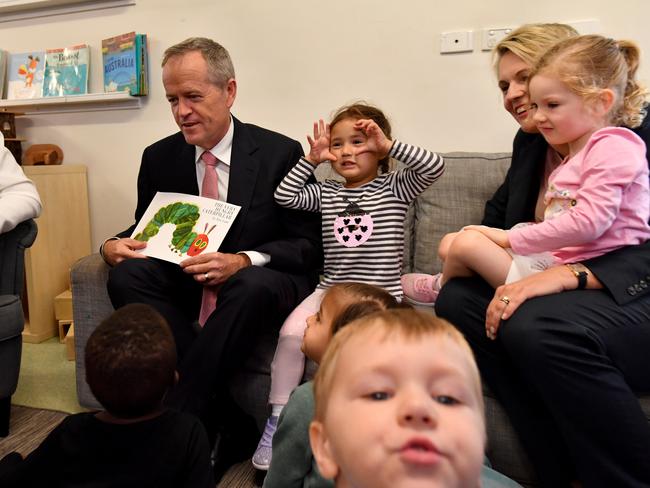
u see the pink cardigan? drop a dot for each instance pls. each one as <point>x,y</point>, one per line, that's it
<point>596,201</point>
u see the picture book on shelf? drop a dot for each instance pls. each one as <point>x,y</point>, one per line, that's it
<point>66,71</point>
<point>176,226</point>
<point>125,62</point>
<point>25,73</point>
<point>143,65</point>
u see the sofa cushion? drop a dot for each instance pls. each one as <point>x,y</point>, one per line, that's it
<point>456,199</point>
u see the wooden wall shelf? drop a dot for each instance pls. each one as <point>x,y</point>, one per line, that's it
<point>72,103</point>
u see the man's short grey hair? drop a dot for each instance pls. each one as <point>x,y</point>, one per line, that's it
<point>220,68</point>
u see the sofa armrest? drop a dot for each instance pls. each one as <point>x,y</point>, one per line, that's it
<point>12,250</point>
<point>90,305</point>
<point>11,327</point>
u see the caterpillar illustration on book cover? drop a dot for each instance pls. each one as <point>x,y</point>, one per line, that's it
<point>193,220</point>
<point>184,240</point>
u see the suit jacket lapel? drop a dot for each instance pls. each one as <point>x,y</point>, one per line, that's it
<point>244,169</point>
<point>525,187</point>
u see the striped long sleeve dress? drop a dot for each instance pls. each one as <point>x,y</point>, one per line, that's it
<point>363,227</point>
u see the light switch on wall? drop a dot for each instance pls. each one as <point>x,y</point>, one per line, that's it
<point>491,37</point>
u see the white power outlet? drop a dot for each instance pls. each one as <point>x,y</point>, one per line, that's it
<point>491,37</point>
<point>456,42</point>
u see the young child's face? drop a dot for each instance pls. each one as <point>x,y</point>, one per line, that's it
<point>562,116</point>
<point>356,160</point>
<point>319,326</point>
<point>402,413</point>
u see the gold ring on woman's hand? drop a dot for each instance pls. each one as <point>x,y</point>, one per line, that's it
<point>207,276</point>
<point>504,299</point>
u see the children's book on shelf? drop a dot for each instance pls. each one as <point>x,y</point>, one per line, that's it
<point>125,63</point>
<point>25,73</point>
<point>66,71</point>
<point>176,226</point>
<point>143,67</point>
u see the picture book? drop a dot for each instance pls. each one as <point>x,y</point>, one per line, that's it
<point>66,71</point>
<point>25,73</point>
<point>143,65</point>
<point>176,226</point>
<point>119,58</point>
<point>125,61</point>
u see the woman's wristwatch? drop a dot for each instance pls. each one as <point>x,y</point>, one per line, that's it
<point>580,272</point>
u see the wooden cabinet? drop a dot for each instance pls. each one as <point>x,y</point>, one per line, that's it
<point>63,237</point>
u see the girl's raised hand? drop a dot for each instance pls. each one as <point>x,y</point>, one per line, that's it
<point>320,144</point>
<point>377,140</point>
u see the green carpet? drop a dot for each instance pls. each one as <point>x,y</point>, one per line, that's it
<point>47,378</point>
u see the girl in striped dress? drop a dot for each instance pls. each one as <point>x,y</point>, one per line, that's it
<point>362,225</point>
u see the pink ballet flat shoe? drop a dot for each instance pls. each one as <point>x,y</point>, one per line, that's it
<point>420,288</point>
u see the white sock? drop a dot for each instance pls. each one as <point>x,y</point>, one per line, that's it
<point>276,410</point>
<point>437,278</point>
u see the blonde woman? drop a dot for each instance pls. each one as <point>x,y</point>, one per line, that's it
<point>573,343</point>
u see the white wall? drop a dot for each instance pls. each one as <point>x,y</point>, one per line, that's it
<point>297,60</point>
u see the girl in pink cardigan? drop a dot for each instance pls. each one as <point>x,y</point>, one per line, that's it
<point>597,197</point>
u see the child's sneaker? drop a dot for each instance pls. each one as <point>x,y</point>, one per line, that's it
<point>421,289</point>
<point>262,456</point>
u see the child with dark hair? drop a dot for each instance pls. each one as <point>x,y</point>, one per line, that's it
<point>293,465</point>
<point>362,223</point>
<point>132,344</point>
<point>136,442</point>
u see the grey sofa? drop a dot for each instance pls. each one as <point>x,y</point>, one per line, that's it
<point>455,200</point>
<point>12,279</point>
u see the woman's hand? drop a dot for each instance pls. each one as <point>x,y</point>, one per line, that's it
<point>498,236</point>
<point>377,140</point>
<point>320,144</point>
<point>508,298</point>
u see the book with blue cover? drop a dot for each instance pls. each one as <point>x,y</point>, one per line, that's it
<point>125,63</point>
<point>25,75</point>
<point>120,63</point>
<point>143,65</point>
<point>66,71</point>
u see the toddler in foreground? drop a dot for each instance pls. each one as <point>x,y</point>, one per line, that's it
<point>135,443</point>
<point>399,404</point>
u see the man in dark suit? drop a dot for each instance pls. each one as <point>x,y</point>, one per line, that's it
<point>269,259</point>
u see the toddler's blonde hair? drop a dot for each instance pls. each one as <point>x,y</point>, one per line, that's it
<point>589,64</point>
<point>407,323</point>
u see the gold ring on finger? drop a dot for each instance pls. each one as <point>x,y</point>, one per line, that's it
<point>505,299</point>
